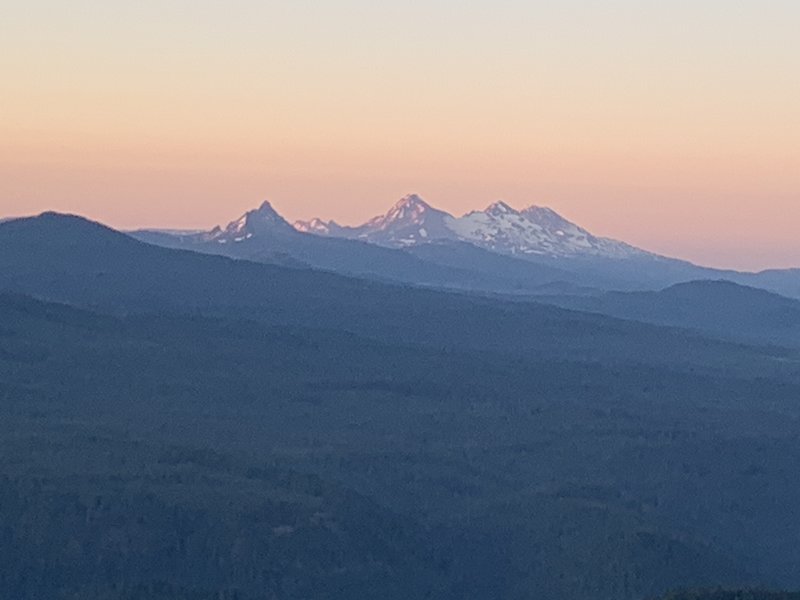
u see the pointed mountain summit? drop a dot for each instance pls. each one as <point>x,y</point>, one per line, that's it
<point>410,221</point>
<point>266,212</point>
<point>264,220</point>
<point>265,216</point>
<point>409,209</point>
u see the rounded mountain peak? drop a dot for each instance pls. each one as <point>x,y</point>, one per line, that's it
<point>546,217</point>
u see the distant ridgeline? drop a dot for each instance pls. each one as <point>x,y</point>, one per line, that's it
<point>500,249</point>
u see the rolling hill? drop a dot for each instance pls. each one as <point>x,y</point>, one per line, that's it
<point>721,308</point>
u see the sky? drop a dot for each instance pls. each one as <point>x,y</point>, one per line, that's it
<point>673,125</point>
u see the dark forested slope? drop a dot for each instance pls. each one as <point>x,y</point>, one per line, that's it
<point>202,457</point>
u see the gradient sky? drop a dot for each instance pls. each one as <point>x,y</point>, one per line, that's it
<point>674,125</point>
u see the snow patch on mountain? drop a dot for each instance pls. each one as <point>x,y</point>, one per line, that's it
<point>316,226</point>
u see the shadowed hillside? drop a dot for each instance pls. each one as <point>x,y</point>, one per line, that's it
<point>721,308</point>
<point>223,448</point>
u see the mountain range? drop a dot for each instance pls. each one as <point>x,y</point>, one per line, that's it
<point>497,250</point>
<point>262,235</point>
<point>533,231</point>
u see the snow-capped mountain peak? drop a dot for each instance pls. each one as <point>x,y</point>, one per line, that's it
<point>409,210</point>
<point>410,221</point>
<point>411,201</point>
<point>500,228</point>
<point>534,231</point>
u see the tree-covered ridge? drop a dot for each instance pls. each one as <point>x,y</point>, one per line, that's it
<point>127,516</point>
<point>213,456</point>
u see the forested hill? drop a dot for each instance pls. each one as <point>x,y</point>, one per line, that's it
<point>185,456</point>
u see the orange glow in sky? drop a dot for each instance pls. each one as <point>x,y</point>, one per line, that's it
<point>673,126</point>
